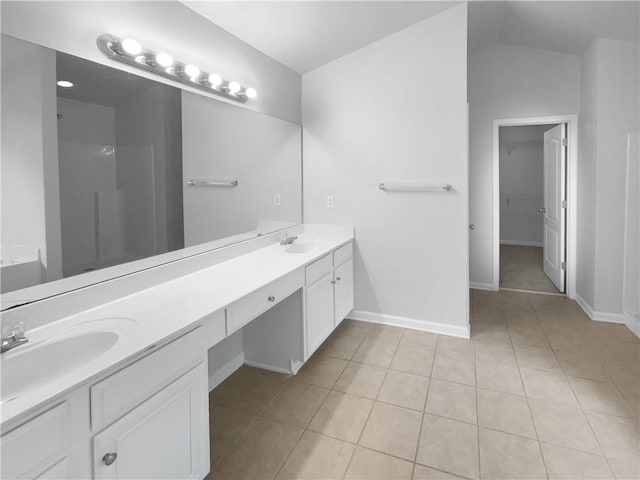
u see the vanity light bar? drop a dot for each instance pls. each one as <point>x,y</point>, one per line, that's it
<point>129,51</point>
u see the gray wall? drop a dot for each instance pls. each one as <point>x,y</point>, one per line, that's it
<point>522,184</point>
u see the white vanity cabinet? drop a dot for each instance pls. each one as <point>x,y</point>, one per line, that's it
<point>166,437</point>
<point>160,408</point>
<point>343,278</point>
<point>37,448</point>
<point>319,312</point>
<point>146,420</point>
<point>328,295</point>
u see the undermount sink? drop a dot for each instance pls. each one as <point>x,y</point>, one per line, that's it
<point>301,246</point>
<point>44,361</point>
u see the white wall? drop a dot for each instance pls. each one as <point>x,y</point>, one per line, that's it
<point>508,81</point>
<point>585,272</point>
<point>522,184</point>
<point>617,104</point>
<point>396,110</point>
<point>73,27</point>
<point>632,236</point>
<point>30,189</point>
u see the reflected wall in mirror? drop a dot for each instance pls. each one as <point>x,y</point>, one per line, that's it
<point>117,168</point>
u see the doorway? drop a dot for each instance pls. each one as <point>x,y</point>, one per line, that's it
<point>523,210</point>
<point>534,204</point>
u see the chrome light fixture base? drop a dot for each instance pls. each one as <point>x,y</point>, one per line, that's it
<point>111,47</point>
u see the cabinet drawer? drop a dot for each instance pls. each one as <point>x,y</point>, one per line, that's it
<point>35,446</point>
<point>116,395</point>
<point>343,254</point>
<point>249,307</point>
<point>318,269</point>
<point>214,328</point>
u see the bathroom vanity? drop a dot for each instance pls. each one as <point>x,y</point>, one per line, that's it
<point>121,390</point>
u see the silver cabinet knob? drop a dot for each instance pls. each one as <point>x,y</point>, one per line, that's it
<point>333,282</point>
<point>542,210</point>
<point>272,299</point>
<point>109,458</point>
<point>338,278</point>
<point>472,226</point>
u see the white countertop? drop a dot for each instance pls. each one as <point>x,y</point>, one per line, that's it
<point>159,313</point>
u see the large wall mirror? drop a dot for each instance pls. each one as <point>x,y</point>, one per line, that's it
<point>105,173</point>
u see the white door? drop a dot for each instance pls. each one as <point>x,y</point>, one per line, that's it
<point>555,160</point>
<point>166,437</point>
<point>343,291</point>
<point>319,312</point>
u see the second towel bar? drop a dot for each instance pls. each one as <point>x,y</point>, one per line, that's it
<point>414,188</point>
<point>212,183</point>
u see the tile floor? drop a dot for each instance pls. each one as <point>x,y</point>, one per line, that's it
<point>539,392</point>
<point>521,269</point>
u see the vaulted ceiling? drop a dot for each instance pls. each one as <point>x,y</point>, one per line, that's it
<point>567,27</point>
<point>307,34</point>
<point>304,35</point>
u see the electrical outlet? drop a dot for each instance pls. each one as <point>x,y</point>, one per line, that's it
<point>276,199</point>
<point>330,202</point>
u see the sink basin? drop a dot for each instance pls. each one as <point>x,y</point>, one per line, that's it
<point>35,364</point>
<point>304,246</point>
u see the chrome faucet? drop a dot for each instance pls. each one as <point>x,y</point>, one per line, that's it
<point>12,337</point>
<point>287,240</point>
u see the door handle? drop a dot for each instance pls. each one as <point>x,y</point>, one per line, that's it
<point>109,458</point>
<point>272,299</point>
<point>542,210</point>
<point>472,226</point>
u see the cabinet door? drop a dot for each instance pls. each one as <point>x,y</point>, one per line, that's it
<point>343,291</point>
<point>319,312</point>
<point>165,437</point>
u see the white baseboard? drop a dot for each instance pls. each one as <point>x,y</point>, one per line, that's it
<point>415,324</point>
<point>482,286</point>
<point>599,316</point>
<point>225,371</point>
<point>523,244</point>
<point>264,366</point>
<point>633,323</point>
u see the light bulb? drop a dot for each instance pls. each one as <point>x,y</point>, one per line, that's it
<point>251,92</point>
<point>131,46</point>
<point>234,87</point>
<point>215,80</point>
<point>192,71</point>
<point>65,84</point>
<point>164,59</point>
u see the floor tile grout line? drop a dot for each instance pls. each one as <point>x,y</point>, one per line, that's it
<point>591,429</point>
<point>424,410</point>
<point>533,422</point>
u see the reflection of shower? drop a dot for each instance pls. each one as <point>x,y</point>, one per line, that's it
<point>107,203</point>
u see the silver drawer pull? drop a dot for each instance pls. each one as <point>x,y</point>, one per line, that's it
<point>109,458</point>
<point>272,299</point>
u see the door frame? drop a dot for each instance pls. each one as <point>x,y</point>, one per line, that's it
<point>572,192</point>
